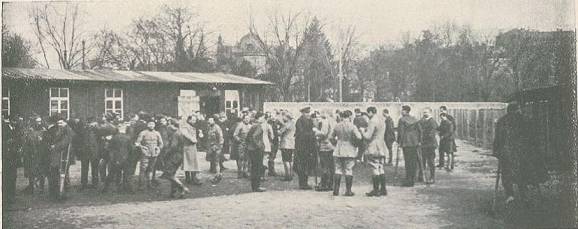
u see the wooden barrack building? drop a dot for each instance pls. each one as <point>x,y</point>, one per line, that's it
<point>91,93</point>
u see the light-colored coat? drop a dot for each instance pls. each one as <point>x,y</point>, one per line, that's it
<point>190,159</point>
<point>374,134</point>
<point>323,134</point>
<point>287,133</point>
<point>345,132</point>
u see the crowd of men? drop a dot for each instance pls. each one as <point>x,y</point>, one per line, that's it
<point>325,143</point>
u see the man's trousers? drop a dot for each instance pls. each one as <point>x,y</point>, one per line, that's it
<point>256,159</point>
<point>410,160</point>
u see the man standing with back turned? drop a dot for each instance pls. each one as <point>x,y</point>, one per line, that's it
<point>409,138</point>
<point>375,152</point>
<point>305,144</point>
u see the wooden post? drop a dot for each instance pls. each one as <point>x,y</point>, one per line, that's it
<point>467,133</point>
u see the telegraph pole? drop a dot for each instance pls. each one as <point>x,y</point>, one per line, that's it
<point>83,66</point>
<point>340,75</point>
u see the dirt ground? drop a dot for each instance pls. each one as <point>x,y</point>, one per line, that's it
<point>458,199</point>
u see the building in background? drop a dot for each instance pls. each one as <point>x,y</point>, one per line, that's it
<point>231,58</point>
<point>91,93</point>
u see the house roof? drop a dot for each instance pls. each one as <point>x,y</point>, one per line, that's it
<point>128,76</point>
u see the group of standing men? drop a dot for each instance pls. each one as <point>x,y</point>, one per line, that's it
<point>332,142</point>
<point>110,148</point>
<point>327,142</point>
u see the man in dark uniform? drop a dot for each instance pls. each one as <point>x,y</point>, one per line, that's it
<point>305,146</point>
<point>256,150</point>
<point>78,143</point>
<point>120,159</point>
<point>89,157</point>
<point>58,140</point>
<point>389,134</point>
<point>34,152</point>
<point>9,160</point>
<point>274,122</point>
<point>409,138</point>
<point>429,144</point>
<point>441,160</point>
<point>514,147</point>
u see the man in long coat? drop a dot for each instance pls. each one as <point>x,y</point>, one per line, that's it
<point>375,152</point>
<point>173,160</point>
<point>34,151</point>
<point>256,151</point>
<point>389,134</point>
<point>58,139</point>
<point>190,142</point>
<point>89,157</point>
<point>441,160</point>
<point>305,146</point>
<point>429,144</point>
<point>514,147</point>
<point>409,138</point>
<point>324,130</point>
<point>121,157</point>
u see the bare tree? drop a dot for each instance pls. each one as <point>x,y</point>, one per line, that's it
<point>59,27</point>
<point>284,51</point>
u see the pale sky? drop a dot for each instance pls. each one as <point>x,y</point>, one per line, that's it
<point>377,22</point>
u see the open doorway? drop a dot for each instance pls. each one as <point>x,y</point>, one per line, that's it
<point>210,105</point>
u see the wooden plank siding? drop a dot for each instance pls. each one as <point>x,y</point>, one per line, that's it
<point>87,99</point>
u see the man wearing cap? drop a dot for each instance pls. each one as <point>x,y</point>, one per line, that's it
<point>58,139</point>
<point>441,160</point>
<point>287,144</point>
<point>120,157</point>
<point>150,142</point>
<point>323,131</point>
<point>345,152</point>
<point>215,142</point>
<point>409,138</point>
<point>305,147</point>
<point>256,150</point>
<point>34,151</point>
<point>375,152</point>
<point>429,144</point>
<point>361,121</point>
<point>515,147</point>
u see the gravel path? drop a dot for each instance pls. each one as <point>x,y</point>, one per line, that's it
<point>284,207</point>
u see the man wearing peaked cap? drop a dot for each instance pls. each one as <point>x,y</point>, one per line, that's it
<point>305,144</point>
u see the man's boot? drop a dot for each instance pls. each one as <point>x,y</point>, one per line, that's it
<point>271,165</point>
<point>383,190</point>
<point>375,191</point>
<point>336,184</point>
<point>222,166</point>
<point>194,179</point>
<point>321,186</point>
<point>213,167</point>
<point>187,177</point>
<point>41,185</point>
<point>348,184</point>
<point>30,188</point>
<point>440,160</point>
<point>303,183</point>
